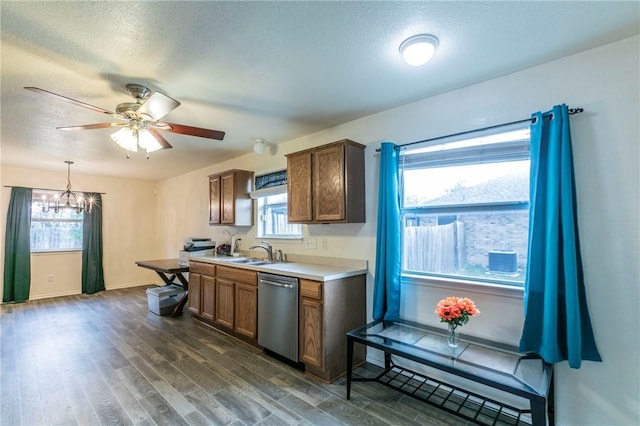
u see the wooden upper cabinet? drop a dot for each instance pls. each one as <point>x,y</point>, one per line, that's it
<point>299,187</point>
<point>214,200</point>
<point>229,201</point>
<point>326,184</point>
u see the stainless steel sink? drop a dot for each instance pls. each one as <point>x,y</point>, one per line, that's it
<point>249,261</point>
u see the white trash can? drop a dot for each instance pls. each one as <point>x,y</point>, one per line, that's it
<point>162,300</point>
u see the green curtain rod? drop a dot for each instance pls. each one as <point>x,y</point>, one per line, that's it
<point>47,189</point>
<point>571,111</point>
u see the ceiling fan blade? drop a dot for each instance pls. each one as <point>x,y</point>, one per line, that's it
<point>157,106</point>
<point>193,131</point>
<point>73,101</point>
<point>93,126</point>
<point>165,144</point>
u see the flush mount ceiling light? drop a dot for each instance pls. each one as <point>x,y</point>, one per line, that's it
<point>419,49</point>
<point>258,145</point>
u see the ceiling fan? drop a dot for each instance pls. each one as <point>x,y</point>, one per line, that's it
<point>140,120</point>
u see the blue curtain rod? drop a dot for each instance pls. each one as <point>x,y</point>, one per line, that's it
<point>571,111</point>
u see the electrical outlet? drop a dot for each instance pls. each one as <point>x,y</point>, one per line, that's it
<point>310,243</point>
<point>50,278</point>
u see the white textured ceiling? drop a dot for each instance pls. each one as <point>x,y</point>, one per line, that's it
<point>276,70</point>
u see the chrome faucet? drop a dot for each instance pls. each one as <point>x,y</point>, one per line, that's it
<point>265,246</point>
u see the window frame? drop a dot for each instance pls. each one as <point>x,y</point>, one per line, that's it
<point>270,185</point>
<point>511,151</point>
<point>262,222</point>
<point>37,202</point>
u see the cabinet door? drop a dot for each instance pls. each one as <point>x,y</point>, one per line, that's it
<point>227,204</point>
<point>208,295</point>
<point>329,185</point>
<point>194,293</point>
<point>224,303</point>
<point>299,196</point>
<point>246,318</point>
<point>311,332</point>
<point>214,200</point>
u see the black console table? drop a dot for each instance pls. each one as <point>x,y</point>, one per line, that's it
<point>488,363</point>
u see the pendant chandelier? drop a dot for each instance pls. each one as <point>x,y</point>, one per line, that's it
<point>68,199</point>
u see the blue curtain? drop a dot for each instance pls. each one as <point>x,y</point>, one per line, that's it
<point>557,324</point>
<point>386,286</point>
<point>17,247</point>
<point>92,273</point>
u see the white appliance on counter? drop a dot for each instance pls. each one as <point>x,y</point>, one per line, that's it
<point>196,247</point>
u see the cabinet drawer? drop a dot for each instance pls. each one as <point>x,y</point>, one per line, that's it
<point>312,289</point>
<point>202,268</point>
<point>238,274</point>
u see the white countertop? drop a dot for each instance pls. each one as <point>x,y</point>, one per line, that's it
<point>316,268</point>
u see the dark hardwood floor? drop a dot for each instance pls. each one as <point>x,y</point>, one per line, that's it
<point>104,359</point>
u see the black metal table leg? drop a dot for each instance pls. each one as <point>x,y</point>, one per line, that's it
<point>538,412</point>
<point>349,365</point>
<point>387,361</point>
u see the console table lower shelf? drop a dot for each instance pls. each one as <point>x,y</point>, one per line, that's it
<point>488,363</point>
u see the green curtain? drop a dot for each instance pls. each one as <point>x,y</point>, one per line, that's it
<point>92,274</point>
<point>17,247</point>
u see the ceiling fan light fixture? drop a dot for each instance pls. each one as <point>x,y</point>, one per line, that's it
<point>126,138</point>
<point>147,141</point>
<point>258,145</point>
<point>419,49</point>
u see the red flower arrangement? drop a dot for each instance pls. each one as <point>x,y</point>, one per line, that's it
<point>456,310</point>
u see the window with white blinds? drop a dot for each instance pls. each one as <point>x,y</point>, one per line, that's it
<point>465,206</point>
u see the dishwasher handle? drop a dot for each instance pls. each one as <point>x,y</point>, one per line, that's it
<point>276,283</point>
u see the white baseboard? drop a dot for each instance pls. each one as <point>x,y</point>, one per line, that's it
<point>50,295</point>
<point>129,285</point>
<point>74,292</point>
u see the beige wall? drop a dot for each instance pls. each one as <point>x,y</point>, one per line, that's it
<point>605,82</point>
<point>130,231</point>
<point>192,190</point>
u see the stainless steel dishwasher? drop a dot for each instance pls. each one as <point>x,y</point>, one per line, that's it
<point>278,314</point>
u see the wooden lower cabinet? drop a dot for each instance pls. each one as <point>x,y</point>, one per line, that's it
<point>246,312</point>
<point>311,342</point>
<point>195,289</point>
<point>208,297</point>
<point>225,301</point>
<point>201,289</point>
<point>226,298</point>
<point>328,311</point>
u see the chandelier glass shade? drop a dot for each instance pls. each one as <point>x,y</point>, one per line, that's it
<point>68,199</point>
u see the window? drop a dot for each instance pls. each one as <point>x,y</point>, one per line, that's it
<point>271,193</point>
<point>465,207</point>
<point>54,231</point>
<point>272,218</point>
